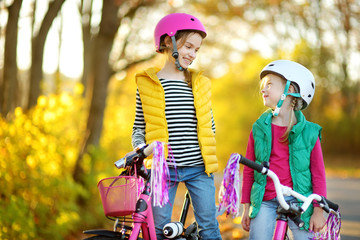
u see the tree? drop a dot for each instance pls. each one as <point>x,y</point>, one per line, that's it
<point>86,15</point>
<point>101,70</point>
<point>37,56</point>
<point>101,74</point>
<point>8,99</point>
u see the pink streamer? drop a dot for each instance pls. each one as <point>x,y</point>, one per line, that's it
<point>229,197</point>
<point>332,228</point>
<point>141,185</point>
<point>160,175</point>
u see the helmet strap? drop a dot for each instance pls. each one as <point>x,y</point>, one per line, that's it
<point>175,54</point>
<point>283,97</point>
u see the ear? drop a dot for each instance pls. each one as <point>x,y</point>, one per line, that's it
<point>168,41</point>
<point>291,89</point>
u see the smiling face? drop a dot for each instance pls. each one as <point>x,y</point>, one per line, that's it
<point>272,87</point>
<point>187,43</point>
<point>188,49</point>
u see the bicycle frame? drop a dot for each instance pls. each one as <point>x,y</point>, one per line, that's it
<point>143,217</point>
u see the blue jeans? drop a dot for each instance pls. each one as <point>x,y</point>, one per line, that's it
<point>263,225</point>
<point>202,192</point>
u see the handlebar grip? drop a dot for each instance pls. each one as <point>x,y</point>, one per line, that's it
<point>125,161</point>
<point>332,205</point>
<point>251,164</point>
<point>140,153</point>
<point>121,163</point>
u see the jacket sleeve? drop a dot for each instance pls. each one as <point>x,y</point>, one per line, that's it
<point>248,173</point>
<point>138,133</point>
<point>317,169</point>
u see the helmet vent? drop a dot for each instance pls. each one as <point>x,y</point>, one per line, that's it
<point>312,84</point>
<point>271,65</point>
<point>309,96</point>
<point>192,19</point>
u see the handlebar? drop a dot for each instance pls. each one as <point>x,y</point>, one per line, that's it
<point>138,155</point>
<point>282,190</point>
<point>157,178</point>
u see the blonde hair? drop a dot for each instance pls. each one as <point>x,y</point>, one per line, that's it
<point>285,137</point>
<point>182,36</point>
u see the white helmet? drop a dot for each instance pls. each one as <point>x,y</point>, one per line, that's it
<point>295,73</point>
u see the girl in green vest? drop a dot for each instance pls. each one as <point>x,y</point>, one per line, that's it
<point>291,145</point>
<point>173,106</point>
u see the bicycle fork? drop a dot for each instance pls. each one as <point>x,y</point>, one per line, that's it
<point>143,217</point>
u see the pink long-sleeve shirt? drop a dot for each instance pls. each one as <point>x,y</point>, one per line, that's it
<point>279,163</point>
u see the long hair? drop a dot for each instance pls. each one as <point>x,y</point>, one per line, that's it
<point>285,137</point>
<point>296,104</point>
<point>180,38</point>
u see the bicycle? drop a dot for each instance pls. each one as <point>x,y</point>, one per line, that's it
<point>287,210</point>
<point>135,205</point>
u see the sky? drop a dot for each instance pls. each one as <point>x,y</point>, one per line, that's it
<point>68,54</point>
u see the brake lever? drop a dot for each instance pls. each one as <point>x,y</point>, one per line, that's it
<point>324,205</point>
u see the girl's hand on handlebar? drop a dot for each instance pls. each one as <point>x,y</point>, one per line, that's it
<point>149,149</point>
<point>317,220</point>
<point>245,219</point>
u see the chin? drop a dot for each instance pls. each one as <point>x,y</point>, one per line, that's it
<point>184,65</point>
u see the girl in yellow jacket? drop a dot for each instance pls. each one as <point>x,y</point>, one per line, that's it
<point>173,106</point>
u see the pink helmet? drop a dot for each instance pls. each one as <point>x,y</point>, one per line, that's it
<point>174,22</point>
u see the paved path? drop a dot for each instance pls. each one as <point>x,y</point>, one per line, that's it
<point>346,192</point>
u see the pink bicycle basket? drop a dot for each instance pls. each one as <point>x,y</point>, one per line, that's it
<point>118,195</point>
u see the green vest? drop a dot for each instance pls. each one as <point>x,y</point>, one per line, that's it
<point>302,139</point>
<point>153,103</point>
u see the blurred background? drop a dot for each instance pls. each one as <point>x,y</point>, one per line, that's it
<point>67,93</point>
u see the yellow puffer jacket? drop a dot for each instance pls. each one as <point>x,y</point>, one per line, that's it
<point>152,97</point>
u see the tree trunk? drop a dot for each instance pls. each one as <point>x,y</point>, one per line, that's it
<point>101,73</point>
<point>38,44</point>
<point>10,81</point>
<point>86,14</point>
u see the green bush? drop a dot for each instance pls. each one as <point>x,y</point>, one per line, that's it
<point>38,151</point>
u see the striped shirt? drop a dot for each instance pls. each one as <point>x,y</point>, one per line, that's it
<point>181,120</point>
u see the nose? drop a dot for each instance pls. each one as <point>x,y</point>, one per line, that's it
<point>193,54</point>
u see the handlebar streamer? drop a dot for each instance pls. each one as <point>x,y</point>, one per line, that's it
<point>229,197</point>
<point>160,175</point>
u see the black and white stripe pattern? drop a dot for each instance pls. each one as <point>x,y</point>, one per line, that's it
<point>181,120</point>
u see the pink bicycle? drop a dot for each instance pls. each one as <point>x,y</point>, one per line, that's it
<point>125,206</point>
<point>286,210</point>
